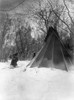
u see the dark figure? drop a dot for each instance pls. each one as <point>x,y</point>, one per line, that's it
<point>14,59</point>
<point>34,54</point>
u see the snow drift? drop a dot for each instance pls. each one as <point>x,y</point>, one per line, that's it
<point>35,84</point>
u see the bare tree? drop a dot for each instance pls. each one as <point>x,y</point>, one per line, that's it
<point>52,14</point>
<point>48,15</point>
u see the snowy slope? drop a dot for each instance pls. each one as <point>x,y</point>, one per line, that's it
<point>35,84</point>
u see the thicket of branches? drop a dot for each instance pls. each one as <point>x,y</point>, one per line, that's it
<point>16,33</point>
<point>26,46</point>
<point>52,13</point>
<point>17,39</point>
<point>5,26</point>
<point>55,14</point>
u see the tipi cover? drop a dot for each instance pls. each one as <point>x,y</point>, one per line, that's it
<point>54,53</point>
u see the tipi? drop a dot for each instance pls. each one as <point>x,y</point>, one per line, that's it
<point>54,53</point>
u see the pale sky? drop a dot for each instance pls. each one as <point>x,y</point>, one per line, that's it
<point>10,4</point>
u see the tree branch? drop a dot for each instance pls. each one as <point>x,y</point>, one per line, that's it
<point>68,11</point>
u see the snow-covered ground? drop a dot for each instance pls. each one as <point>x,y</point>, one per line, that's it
<point>35,84</point>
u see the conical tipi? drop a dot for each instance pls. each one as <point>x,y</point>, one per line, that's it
<point>54,53</point>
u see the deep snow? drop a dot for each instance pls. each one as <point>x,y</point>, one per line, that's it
<point>34,83</point>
